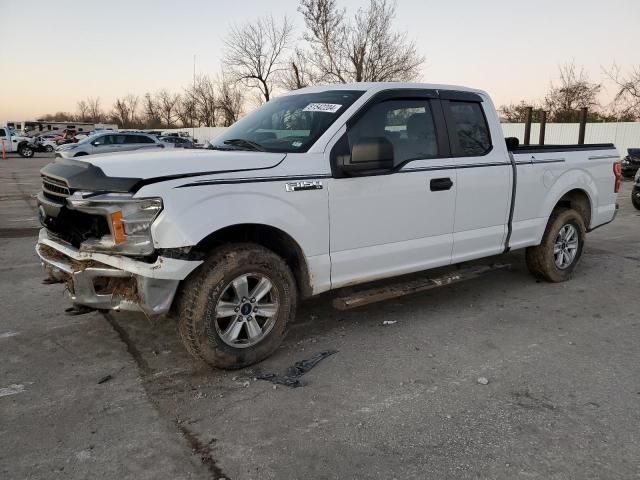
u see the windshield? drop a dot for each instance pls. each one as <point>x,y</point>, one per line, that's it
<point>287,124</point>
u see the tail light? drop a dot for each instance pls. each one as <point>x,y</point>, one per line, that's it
<point>617,171</point>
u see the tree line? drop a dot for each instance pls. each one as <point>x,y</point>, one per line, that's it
<point>575,91</point>
<point>265,56</point>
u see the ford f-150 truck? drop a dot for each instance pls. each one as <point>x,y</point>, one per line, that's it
<point>321,188</point>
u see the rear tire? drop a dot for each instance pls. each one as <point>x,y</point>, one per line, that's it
<point>225,327</point>
<point>555,259</point>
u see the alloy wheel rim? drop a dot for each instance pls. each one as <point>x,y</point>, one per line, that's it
<point>246,311</point>
<point>565,247</point>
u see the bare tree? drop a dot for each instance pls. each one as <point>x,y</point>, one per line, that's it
<point>120,113</point>
<point>254,53</point>
<point>186,109</point>
<point>132,101</point>
<point>204,97</point>
<point>626,104</point>
<point>365,49</point>
<point>83,111</point>
<point>95,113</point>
<point>517,112</point>
<point>230,101</point>
<point>151,111</point>
<point>298,73</point>
<point>167,102</point>
<point>574,92</point>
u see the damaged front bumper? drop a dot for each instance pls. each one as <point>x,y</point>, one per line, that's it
<point>113,282</point>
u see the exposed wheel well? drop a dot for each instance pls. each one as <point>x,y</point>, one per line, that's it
<point>269,237</point>
<point>579,201</point>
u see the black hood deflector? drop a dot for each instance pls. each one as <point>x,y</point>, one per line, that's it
<point>85,176</point>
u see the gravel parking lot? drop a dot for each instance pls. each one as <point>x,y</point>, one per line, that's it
<point>116,396</point>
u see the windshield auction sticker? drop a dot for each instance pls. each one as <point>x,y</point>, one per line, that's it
<point>322,107</point>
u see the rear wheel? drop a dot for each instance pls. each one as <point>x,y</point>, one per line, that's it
<point>555,259</point>
<point>235,309</point>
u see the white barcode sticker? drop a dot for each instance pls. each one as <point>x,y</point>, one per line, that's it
<point>322,107</point>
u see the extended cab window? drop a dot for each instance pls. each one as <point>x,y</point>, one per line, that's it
<point>407,124</point>
<point>469,133</point>
<point>2,132</point>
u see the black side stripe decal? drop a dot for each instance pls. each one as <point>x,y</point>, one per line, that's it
<point>231,181</point>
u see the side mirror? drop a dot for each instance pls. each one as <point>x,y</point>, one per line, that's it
<point>369,153</point>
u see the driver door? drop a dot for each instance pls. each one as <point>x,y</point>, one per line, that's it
<point>400,220</point>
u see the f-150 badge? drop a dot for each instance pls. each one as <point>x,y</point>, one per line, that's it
<point>303,185</point>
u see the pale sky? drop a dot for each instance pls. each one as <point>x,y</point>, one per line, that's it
<point>56,53</point>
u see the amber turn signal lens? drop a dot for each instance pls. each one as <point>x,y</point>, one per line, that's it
<point>118,227</point>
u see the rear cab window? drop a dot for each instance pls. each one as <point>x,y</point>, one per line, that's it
<point>468,128</point>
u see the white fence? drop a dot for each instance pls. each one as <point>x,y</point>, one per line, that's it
<point>622,134</point>
<point>201,134</point>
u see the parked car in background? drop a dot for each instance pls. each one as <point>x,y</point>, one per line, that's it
<point>48,142</point>
<point>178,142</point>
<point>631,163</point>
<point>371,181</point>
<point>109,142</point>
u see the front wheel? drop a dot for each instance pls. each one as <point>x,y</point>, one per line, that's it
<point>235,309</point>
<point>635,197</point>
<point>555,259</point>
<point>49,148</point>
<point>26,151</point>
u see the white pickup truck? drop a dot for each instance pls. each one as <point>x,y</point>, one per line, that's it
<point>319,189</point>
<point>10,142</point>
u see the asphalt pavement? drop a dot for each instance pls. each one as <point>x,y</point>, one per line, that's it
<point>116,396</point>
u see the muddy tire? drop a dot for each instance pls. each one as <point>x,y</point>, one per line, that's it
<point>235,309</point>
<point>555,259</point>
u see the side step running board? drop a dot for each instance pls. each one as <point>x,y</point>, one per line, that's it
<point>378,294</point>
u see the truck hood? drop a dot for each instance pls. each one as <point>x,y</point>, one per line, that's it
<point>125,172</point>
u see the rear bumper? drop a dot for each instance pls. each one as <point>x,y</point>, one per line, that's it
<point>111,282</point>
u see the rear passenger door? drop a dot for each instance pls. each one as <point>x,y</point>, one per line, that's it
<point>142,141</point>
<point>484,175</point>
<point>104,144</point>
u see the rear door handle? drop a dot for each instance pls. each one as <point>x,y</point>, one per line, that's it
<point>440,184</point>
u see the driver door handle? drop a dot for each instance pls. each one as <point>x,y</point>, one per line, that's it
<point>440,184</point>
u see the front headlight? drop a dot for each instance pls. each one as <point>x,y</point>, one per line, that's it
<point>129,220</point>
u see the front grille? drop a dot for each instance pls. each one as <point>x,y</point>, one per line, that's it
<point>75,227</point>
<point>55,188</point>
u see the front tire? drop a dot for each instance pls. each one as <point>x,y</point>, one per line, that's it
<point>555,259</point>
<point>26,151</point>
<point>635,197</point>
<point>49,148</point>
<point>235,309</point>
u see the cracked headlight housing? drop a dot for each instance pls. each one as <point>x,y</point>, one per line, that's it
<point>129,220</point>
